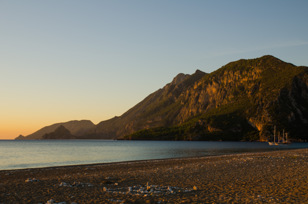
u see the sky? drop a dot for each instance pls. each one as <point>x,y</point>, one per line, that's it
<point>74,60</point>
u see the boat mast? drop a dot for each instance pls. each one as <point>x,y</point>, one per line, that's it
<point>274,133</point>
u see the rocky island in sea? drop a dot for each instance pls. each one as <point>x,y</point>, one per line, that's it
<point>243,100</point>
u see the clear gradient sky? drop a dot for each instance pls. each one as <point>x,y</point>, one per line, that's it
<point>73,59</point>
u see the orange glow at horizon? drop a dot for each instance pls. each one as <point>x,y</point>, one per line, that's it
<point>12,128</point>
<point>13,132</point>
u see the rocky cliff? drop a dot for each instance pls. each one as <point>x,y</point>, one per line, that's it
<point>243,99</point>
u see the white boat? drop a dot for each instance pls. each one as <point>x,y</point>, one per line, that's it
<point>284,140</point>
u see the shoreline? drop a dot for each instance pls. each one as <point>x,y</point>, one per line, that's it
<point>271,176</point>
<point>131,162</point>
<point>145,160</point>
<point>51,165</point>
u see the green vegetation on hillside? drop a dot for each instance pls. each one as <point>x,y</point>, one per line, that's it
<point>227,124</point>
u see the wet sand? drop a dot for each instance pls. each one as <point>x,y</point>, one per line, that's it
<point>269,177</point>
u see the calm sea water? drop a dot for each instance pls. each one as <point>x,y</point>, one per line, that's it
<point>46,153</point>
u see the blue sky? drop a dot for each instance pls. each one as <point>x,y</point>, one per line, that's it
<point>67,60</point>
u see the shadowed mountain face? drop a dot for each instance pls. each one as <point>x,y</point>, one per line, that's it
<point>243,100</point>
<point>60,133</point>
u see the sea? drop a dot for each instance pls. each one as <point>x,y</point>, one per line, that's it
<point>22,154</point>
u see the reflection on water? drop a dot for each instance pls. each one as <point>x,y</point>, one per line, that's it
<point>43,153</point>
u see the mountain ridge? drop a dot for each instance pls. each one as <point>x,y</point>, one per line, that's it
<point>76,127</point>
<point>249,91</point>
<point>246,98</point>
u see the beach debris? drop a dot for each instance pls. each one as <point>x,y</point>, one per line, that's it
<point>170,190</point>
<point>31,180</point>
<point>75,184</point>
<point>148,190</point>
<point>64,184</point>
<point>116,201</point>
<point>130,189</point>
<point>79,184</point>
<point>109,180</point>
<point>52,201</point>
<point>148,186</point>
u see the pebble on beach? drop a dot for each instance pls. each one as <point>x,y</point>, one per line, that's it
<point>31,180</point>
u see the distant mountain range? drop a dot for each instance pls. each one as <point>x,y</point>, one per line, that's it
<point>75,128</point>
<point>242,100</point>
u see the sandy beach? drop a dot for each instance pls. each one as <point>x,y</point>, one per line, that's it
<point>269,177</point>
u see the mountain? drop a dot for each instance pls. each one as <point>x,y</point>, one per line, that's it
<point>60,133</point>
<point>242,100</point>
<point>158,109</point>
<point>20,137</point>
<point>76,128</point>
